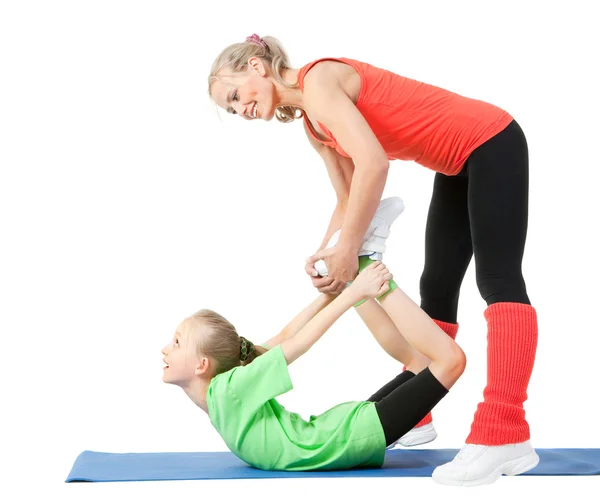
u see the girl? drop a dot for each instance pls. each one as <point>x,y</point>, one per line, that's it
<point>236,383</point>
<point>359,117</point>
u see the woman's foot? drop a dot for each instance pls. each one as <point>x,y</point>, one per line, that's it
<point>482,464</point>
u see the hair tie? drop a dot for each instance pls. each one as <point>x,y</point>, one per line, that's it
<point>257,40</point>
<point>246,348</point>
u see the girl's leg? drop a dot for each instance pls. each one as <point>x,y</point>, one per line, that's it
<point>447,358</point>
<point>406,404</point>
<point>391,340</point>
<point>387,335</point>
<point>391,386</point>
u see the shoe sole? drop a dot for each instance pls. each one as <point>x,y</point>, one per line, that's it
<point>509,468</point>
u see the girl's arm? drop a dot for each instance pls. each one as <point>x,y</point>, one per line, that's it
<point>371,282</point>
<point>305,338</point>
<point>296,324</point>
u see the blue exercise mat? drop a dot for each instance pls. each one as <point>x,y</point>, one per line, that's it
<point>103,466</point>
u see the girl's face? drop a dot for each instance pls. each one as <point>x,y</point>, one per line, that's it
<point>181,361</point>
<point>250,94</point>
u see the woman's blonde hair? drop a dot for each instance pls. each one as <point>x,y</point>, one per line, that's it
<point>271,52</point>
<point>216,337</point>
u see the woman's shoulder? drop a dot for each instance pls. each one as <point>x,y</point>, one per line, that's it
<point>328,67</point>
<point>323,75</point>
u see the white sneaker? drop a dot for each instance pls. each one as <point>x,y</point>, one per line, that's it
<point>482,464</point>
<point>374,240</point>
<point>417,436</point>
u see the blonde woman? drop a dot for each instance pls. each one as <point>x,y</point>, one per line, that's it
<point>358,117</point>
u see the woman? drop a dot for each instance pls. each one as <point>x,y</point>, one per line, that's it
<point>359,117</point>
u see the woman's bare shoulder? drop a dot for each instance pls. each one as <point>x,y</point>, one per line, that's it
<point>328,75</point>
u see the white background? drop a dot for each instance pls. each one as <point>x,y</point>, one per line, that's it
<point>127,203</point>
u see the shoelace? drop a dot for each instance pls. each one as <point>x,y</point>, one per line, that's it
<point>468,451</point>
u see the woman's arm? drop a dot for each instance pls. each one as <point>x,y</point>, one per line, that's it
<point>327,102</point>
<point>340,170</point>
<point>296,324</point>
<point>365,195</point>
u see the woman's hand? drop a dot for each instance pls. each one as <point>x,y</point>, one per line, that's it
<point>324,284</point>
<point>372,282</point>
<point>342,263</point>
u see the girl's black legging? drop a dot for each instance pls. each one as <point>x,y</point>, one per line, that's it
<point>405,401</point>
<point>481,211</point>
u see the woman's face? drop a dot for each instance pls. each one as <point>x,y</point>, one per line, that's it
<point>250,94</point>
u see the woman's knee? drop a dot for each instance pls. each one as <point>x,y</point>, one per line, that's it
<point>439,296</point>
<point>502,288</point>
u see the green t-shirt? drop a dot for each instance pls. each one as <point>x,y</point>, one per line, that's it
<point>261,432</point>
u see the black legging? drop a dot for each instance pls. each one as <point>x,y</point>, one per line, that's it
<point>482,210</point>
<point>405,401</point>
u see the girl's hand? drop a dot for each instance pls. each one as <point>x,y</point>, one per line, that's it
<point>372,282</point>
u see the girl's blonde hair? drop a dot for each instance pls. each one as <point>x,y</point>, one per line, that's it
<point>216,337</point>
<point>271,52</point>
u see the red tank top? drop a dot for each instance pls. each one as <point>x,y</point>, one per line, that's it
<point>416,121</point>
